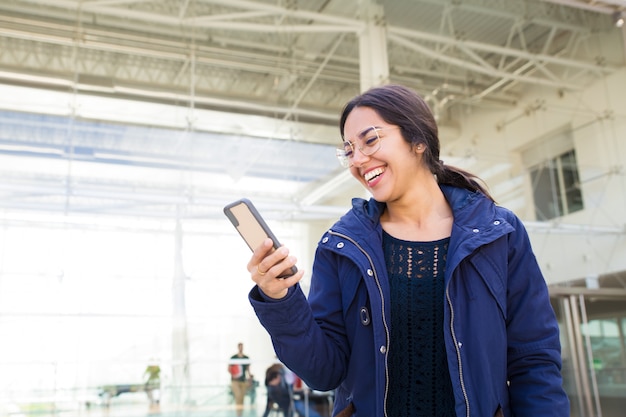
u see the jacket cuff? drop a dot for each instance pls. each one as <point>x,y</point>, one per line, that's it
<point>256,294</point>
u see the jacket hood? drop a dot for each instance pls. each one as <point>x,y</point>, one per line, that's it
<point>461,201</point>
<point>473,212</point>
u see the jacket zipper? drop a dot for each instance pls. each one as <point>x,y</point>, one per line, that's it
<point>458,352</point>
<point>456,342</point>
<point>382,300</point>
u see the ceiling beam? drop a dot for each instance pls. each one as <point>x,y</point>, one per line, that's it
<point>597,6</point>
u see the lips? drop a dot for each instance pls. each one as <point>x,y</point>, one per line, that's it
<point>370,176</point>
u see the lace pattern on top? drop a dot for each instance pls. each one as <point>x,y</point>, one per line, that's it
<point>419,379</point>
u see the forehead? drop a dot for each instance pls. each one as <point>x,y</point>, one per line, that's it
<point>360,119</point>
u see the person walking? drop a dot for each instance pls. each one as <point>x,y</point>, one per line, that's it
<point>240,377</point>
<point>426,299</point>
<point>152,386</point>
<point>278,391</point>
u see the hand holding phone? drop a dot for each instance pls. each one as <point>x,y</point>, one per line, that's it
<point>252,228</point>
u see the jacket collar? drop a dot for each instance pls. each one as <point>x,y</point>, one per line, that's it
<point>465,205</point>
<point>477,222</point>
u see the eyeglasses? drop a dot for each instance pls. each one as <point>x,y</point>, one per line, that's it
<point>370,144</point>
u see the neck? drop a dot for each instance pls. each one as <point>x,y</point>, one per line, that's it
<point>425,215</point>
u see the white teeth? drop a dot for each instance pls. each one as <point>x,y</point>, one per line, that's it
<point>373,173</point>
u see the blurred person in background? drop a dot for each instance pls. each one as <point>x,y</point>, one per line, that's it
<point>278,391</point>
<point>152,385</point>
<point>240,377</point>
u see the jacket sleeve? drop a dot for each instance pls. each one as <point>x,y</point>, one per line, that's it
<point>534,352</point>
<point>315,348</point>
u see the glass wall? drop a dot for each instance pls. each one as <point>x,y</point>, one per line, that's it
<point>83,308</point>
<point>115,254</point>
<point>593,324</point>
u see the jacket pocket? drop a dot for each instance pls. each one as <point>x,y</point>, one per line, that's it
<point>350,280</point>
<point>490,266</point>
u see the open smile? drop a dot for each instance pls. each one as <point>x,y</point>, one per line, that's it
<point>373,174</point>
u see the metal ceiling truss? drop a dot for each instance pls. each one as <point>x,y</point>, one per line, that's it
<point>260,52</point>
<point>289,60</point>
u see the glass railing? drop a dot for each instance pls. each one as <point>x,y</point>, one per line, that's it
<point>129,400</point>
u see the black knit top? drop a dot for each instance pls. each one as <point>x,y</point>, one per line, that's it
<point>418,370</point>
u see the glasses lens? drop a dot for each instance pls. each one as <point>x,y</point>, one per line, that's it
<point>348,150</point>
<point>371,143</point>
<point>343,158</point>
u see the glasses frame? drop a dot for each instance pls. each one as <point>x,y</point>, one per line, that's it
<point>346,160</point>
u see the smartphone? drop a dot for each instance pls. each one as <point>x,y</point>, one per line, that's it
<point>252,228</point>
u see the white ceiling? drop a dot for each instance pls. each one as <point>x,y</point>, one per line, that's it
<point>230,66</point>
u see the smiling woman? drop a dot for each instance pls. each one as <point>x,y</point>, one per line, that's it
<point>126,126</point>
<point>430,260</point>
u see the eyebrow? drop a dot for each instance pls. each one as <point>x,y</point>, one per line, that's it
<point>364,132</point>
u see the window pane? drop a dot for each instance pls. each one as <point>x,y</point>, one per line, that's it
<point>556,187</point>
<point>546,192</point>
<point>571,181</point>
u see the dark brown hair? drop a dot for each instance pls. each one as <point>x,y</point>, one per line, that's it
<point>403,107</point>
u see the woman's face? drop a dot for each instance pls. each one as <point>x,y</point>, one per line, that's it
<point>391,170</point>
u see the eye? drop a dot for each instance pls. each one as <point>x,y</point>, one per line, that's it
<point>371,141</point>
<point>347,149</point>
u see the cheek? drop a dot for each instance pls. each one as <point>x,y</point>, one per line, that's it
<point>355,173</point>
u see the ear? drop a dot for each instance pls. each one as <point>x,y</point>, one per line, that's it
<point>419,148</point>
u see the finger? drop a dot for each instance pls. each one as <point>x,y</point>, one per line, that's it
<point>259,254</point>
<point>275,262</point>
<point>280,266</point>
<point>285,267</point>
<point>294,279</point>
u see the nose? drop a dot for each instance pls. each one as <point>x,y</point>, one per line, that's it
<point>358,157</point>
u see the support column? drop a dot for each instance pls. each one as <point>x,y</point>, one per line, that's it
<point>623,29</point>
<point>374,62</point>
<point>180,344</point>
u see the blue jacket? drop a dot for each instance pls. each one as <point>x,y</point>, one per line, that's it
<point>501,334</point>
